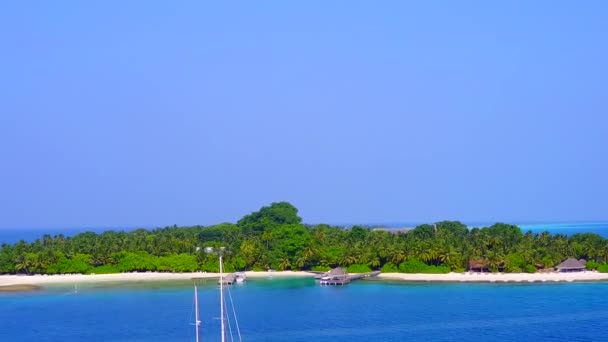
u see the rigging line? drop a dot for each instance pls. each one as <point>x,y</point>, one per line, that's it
<point>192,308</point>
<point>228,321</point>
<point>236,321</point>
<point>189,319</point>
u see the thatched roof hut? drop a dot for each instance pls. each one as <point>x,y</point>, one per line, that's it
<point>337,272</point>
<point>478,265</point>
<point>337,276</point>
<point>571,265</point>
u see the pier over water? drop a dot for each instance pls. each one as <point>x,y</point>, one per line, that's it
<point>339,276</point>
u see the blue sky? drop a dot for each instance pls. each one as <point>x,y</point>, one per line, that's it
<point>147,113</point>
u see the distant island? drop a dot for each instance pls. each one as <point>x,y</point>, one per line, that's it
<point>275,238</point>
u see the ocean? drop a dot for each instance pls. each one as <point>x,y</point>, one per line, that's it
<point>300,310</point>
<point>600,228</point>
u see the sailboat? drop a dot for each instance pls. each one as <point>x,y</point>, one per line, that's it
<point>197,321</point>
<point>224,320</point>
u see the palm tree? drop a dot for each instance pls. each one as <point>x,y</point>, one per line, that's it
<point>398,257</point>
<point>23,264</point>
<point>284,264</point>
<point>364,257</point>
<point>309,253</point>
<point>451,257</point>
<point>385,251</point>
<point>38,264</point>
<point>374,262</point>
<point>494,260</point>
<point>267,237</point>
<point>348,260</point>
<point>301,261</point>
<point>603,253</point>
<point>319,235</point>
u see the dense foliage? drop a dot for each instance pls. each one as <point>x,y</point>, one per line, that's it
<point>274,237</point>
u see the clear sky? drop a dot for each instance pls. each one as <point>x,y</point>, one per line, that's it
<point>127,113</point>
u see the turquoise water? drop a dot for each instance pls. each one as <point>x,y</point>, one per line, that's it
<point>300,310</point>
<point>600,228</point>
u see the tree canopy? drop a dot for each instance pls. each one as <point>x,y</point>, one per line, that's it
<point>274,237</point>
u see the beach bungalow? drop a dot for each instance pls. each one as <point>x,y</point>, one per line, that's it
<point>337,276</point>
<point>478,265</point>
<point>571,265</point>
<point>337,273</point>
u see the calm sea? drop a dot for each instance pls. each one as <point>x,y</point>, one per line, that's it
<point>600,228</point>
<point>299,310</point>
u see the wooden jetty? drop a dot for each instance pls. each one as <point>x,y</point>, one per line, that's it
<point>228,279</point>
<point>339,276</point>
<point>231,278</point>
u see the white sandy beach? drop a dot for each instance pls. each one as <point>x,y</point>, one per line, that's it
<point>41,280</point>
<point>9,280</point>
<point>497,277</point>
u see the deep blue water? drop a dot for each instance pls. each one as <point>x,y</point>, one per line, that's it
<point>300,310</point>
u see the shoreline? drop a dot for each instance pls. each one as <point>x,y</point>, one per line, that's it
<point>41,280</point>
<point>19,288</point>
<point>586,276</point>
<point>17,283</point>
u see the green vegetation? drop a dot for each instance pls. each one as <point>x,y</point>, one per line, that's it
<point>320,268</point>
<point>592,265</point>
<point>358,268</point>
<point>417,266</point>
<point>389,267</point>
<point>274,237</point>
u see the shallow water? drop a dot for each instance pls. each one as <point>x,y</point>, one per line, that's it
<point>600,228</point>
<point>300,310</point>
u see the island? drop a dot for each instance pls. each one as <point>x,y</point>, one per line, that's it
<point>274,238</point>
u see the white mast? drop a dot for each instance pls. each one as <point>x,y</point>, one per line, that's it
<point>197,321</point>
<point>220,253</point>
<point>222,299</point>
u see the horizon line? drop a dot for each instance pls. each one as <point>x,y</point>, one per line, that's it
<point>404,224</point>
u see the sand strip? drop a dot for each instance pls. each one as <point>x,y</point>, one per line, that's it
<point>6,280</point>
<point>37,280</point>
<point>497,277</point>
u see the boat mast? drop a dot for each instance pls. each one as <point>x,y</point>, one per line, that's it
<point>222,299</point>
<point>197,321</point>
<point>220,252</point>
